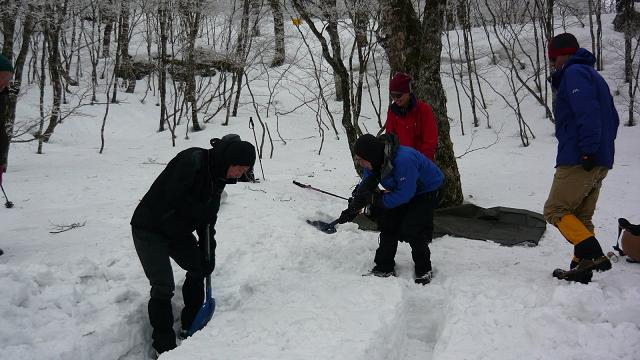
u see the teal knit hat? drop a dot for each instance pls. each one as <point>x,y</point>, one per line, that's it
<point>5,64</point>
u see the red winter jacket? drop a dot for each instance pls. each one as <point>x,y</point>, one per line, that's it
<point>415,127</point>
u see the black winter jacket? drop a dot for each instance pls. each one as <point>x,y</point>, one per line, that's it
<point>185,196</point>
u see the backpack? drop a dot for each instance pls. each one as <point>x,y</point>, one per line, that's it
<point>628,240</point>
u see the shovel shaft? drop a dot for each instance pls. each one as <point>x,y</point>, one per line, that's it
<point>318,190</point>
<point>207,257</point>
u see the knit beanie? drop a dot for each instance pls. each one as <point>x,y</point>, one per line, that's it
<point>5,64</point>
<point>240,153</point>
<point>563,44</point>
<point>401,83</point>
<point>370,148</point>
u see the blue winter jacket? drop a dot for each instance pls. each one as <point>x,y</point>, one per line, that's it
<point>586,118</point>
<point>412,174</point>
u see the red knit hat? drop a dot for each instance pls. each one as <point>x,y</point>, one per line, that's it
<point>401,83</point>
<point>563,44</point>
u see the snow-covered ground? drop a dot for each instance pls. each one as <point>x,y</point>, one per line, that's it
<point>285,290</point>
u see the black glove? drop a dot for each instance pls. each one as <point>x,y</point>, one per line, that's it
<point>376,200</point>
<point>588,161</point>
<point>346,216</point>
<point>207,266</point>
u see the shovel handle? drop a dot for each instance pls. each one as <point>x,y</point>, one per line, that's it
<point>305,186</point>
<point>207,256</point>
<point>301,184</point>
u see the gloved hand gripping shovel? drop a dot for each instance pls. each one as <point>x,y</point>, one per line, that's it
<point>325,227</point>
<point>206,311</point>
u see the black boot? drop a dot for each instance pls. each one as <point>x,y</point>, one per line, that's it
<point>379,272</point>
<point>591,255</point>
<point>161,318</point>
<point>583,277</point>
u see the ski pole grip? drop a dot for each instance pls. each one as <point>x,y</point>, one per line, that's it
<point>301,184</point>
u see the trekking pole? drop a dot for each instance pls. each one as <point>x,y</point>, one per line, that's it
<point>8,204</point>
<point>255,139</point>
<point>315,189</point>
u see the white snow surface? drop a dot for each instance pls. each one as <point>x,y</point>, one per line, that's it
<point>285,290</point>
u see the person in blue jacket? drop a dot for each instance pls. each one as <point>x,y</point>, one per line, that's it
<point>586,124</point>
<point>405,209</point>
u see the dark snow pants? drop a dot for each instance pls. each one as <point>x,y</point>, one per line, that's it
<point>154,251</point>
<point>411,222</point>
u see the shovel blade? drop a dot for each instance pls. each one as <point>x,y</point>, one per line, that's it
<point>203,316</point>
<point>325,227</point>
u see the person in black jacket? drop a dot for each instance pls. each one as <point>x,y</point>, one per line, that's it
<point>184,198</point>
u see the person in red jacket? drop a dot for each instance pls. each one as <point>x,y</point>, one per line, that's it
<point>411,119</point>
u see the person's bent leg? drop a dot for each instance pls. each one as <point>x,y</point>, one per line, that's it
<point>388,241</point>
<point>417,229</point>
<point>385,254</point>
<point>575,191</point>
<point>188,256</point>
<point>153,251</point>
<point>584,211</point>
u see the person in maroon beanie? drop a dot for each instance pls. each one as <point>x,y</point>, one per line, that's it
<point>411,119</point>
<point>6,73</point>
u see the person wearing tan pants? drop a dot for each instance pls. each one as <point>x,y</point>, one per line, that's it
<point>586,124</point>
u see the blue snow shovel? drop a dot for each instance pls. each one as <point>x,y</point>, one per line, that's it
<point>206,312</point>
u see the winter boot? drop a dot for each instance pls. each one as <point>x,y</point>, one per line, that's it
<point>583,277</point>
<point>591,255</point>
<point>425,278</point>
<point>376,271</point>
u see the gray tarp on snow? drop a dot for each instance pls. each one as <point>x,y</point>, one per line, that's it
<point>506,226</point>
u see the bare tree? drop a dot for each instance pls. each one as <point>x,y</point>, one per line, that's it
<point>54,18</point>
<point>462,10</point>
<point>191,16</point>
<point>333,58</point>
<point>9,16</point>
<point>278,31</point>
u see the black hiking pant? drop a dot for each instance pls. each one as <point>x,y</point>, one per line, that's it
<point>154,251</point>
<point>411,222</point>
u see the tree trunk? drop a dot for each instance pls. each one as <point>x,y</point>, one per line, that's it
<point>278,30</point>
<point>54,16</point>
<point>463,18</point>
<point>628,37</point>
<point>106,39</point>
<point>599,63</point>
<point>256,7</point>
<point>191,15</point>
<point>241,53</point>
<point>126,64</point>
<point>162,64</point>
<point>8,113</point>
